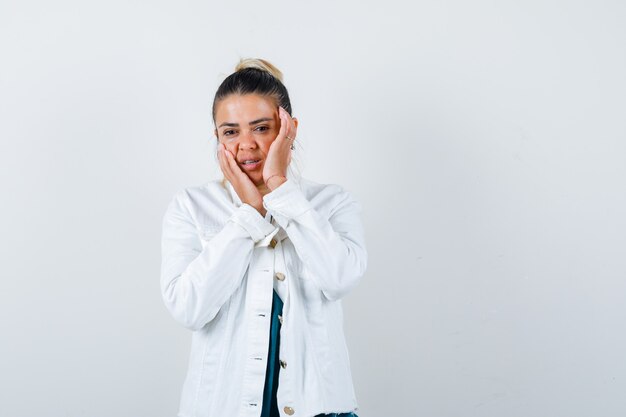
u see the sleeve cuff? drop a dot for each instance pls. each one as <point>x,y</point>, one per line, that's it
<point>251,220</point>
<point>286,202</point>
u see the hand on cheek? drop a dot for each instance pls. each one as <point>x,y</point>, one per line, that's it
<point>243,185</point>
<point>279,155</point>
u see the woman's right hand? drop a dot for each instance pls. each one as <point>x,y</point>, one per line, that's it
<point>243,185</point>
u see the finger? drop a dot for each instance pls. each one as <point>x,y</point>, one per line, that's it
<point>232,165</point>
<point>284,124</point>
<point>291,126</point>
<point>284,144</point>
<point>221,154</point>
<point>290,138</point>
<point>294,128</point>
<point>289,131</point>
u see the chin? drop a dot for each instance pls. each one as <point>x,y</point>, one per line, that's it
<point>256,179</point>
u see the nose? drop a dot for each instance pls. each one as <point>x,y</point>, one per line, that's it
<point>247,140</point>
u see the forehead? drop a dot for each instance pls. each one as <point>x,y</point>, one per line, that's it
<point>245,107</point>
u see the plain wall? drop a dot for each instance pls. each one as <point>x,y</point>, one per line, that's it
<point>484,140</point>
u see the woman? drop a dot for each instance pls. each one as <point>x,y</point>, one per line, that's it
<point>257,264</point>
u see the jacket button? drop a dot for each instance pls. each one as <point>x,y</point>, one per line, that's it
<point>280,276</point>
<point>289,410</point>
<point>273,243</point>
<point>283,364</point>
<point>280,318</point>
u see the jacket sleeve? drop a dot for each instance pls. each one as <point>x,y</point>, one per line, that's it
<point>332,250</point>
<point>196,281</point>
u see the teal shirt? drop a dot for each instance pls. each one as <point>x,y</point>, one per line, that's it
<point>270,406</point>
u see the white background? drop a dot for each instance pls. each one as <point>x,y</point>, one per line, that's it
<point>485,141</point>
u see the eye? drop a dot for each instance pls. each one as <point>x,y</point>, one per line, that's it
<point>262,128</point>
<point>228,132</point>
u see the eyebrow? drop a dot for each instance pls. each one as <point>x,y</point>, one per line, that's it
<point>262,119</point>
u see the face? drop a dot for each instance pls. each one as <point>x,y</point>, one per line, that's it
<point>247,125</point>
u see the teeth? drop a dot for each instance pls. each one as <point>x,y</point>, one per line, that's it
<point>250,161</point>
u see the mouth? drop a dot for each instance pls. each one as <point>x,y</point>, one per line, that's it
<point>250,164</point>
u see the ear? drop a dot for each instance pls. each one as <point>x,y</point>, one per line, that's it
<point>215,133</point>
<point>295,122</point>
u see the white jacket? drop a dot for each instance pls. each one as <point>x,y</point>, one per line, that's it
<point>221,259</point>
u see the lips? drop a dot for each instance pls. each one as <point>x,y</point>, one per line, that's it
<point>250,164</point>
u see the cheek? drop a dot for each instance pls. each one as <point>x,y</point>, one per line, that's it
<point>231,147</point>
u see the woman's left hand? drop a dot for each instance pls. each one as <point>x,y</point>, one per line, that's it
<point>279,154</point>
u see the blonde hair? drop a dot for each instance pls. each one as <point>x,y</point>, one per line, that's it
<point>260,64</point>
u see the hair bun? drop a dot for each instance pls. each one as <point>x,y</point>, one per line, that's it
<point>259,64</point>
